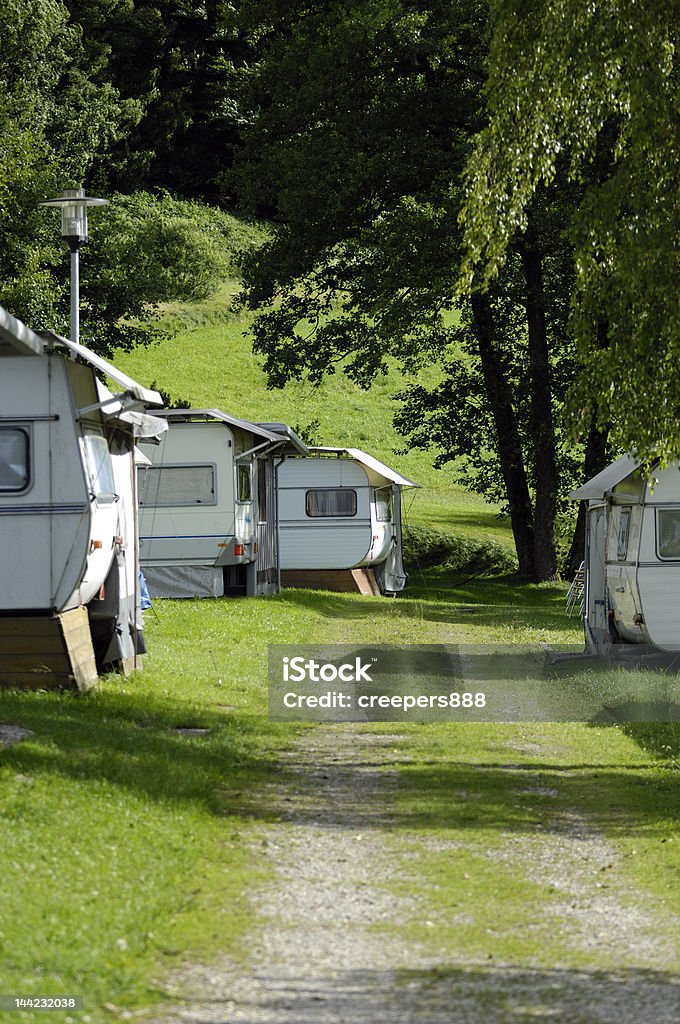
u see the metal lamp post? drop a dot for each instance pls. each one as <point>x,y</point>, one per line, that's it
<point>73,205</point>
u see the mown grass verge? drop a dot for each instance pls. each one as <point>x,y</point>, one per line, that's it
<point>126,843</point>
<point>485,815</point>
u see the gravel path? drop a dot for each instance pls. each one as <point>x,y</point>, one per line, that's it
<point>319,960</point>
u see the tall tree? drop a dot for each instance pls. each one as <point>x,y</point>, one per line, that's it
<point>59,117</point>
<point>172,62</point>
<point>361,119</point>
<point>576,85</point>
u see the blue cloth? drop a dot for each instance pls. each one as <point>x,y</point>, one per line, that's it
<point>144,599</point>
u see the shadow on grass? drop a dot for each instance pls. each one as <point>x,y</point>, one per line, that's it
<point>524,797</point>
<point>132,741</point>
<point>659,739</point>
<point>475,993</point>
<point>481,602</point>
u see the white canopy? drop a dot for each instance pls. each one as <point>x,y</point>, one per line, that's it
<point>605,481</point>
<point>370,463</point>
<point>18,338</point>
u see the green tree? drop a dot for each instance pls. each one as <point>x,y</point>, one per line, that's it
<point>590,90</point>
<point>53,121</point>
<point>172,64</point>
<point>361,120</point>
<point>145,250</point>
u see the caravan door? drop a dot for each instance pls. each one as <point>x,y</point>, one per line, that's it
<point>596,601</point>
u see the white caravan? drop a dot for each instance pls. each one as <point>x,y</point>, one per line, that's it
<point>340,508</point>
<point>207,506</point>
<point>632,559</point>
<point>69,591</point>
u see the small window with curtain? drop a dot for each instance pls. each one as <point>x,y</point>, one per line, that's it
<point>668,532</point>
<point>15,468</point>
<point>331,502</point>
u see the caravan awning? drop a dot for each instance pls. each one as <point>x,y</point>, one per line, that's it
<point>186,415</point>
<point>288,435</point>
<point>19,338</point>
<point>145,395</point>
<point>122,409</point>
<point>370,463</point>
<point>604,482</point>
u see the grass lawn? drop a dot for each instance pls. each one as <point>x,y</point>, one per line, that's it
<point>127,843</point>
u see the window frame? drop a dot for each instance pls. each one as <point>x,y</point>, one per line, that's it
<point>389,502</point>
<point>92,467</point>
<point>623,534</point>
<point>657,523</point>
<point>331,515</point>
<point>25,429</point>
<point>162,467</point>
<point>243,471</point>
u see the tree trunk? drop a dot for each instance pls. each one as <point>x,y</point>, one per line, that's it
<point>509,445</point>
<point>596,458</point>
<point>542,425</point>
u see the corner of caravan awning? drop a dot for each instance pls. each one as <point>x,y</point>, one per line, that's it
<point>286,433</point>
<point>144,425</point>
<point>20,339</point>
<point>606,480</point>
<point>145,395</point>
<point>371,463</point>
<point>117,408</point>
<point>257,429</point>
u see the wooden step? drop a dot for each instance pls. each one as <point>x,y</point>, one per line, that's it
<point>342,581</point>
<point>47,652</point>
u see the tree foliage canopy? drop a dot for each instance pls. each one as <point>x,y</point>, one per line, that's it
<point>590,90</point>
<point>360,116</point>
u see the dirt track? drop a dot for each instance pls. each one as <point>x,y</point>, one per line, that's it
<point>318,957</point>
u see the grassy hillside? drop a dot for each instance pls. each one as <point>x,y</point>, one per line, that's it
<point>209,363</point>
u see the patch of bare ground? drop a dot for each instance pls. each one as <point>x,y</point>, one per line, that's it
<point>317,958</point>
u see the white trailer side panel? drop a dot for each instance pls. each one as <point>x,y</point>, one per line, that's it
<point>659,588</point>
<point>44,527</point>
<point>322,542</point>
<point>194,532</point>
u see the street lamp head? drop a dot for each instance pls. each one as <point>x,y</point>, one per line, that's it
<point>73,205</point>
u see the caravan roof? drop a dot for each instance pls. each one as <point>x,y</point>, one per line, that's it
<point>17,338</point>
<point>369,462</point>
<point>599,486</point>
<point>276,433</point>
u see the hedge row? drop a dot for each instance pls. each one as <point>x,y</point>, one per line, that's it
<point>448,553</point>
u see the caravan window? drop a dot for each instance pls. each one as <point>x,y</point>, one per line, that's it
<point>383,505</point>
<point>14,459</point>
<point>622,537</point>
<point>165,486</point>
<point>99,468</point>
<point>244,490</point>
<point>668,532</point>
<point>331,502</point>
